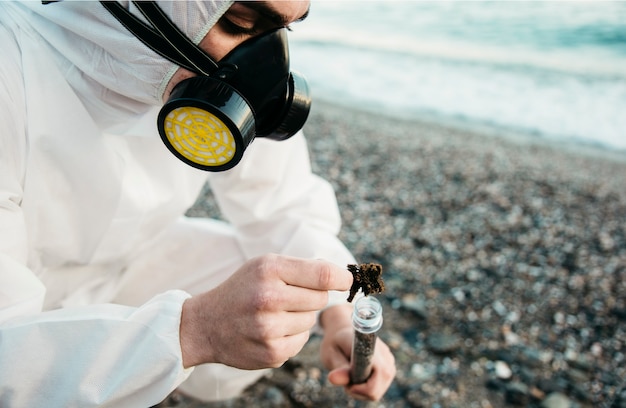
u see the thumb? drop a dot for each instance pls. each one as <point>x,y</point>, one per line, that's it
<point>339,376</point>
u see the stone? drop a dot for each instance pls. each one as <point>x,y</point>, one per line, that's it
<point>502,370</point>
<point>415,305</point>
<point>517,393</point>
<point>441,343</point>
<point>556,400</point>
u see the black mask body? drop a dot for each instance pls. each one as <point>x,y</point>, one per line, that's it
<point>210,119</point>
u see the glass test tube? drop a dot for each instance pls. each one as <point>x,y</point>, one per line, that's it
<point>367,319</point>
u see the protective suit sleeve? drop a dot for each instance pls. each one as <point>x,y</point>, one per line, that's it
<point>278,205</point>
<point>79,357</point>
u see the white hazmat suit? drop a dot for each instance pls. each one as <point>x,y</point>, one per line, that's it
<point>96,256</point>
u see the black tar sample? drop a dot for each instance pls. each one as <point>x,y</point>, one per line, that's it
<point>367,277</point>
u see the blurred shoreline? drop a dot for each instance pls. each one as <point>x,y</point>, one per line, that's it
<point>484,130</point>
<point>504,257</point>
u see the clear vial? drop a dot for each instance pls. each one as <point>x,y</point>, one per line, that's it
<point>367,319</point>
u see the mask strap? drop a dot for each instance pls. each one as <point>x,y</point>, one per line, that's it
<point>163,37</point>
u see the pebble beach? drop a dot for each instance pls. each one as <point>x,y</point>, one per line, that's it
<point>504,263</point>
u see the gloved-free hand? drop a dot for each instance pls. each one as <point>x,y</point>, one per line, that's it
<point>335,354</point>
<point>261,316</point>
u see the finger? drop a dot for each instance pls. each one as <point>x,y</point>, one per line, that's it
<point>335,349</point>
<point>295,342</point>
<point>299,299</point>
<point>368,390</point>
<point>315,274</point>
<point>383,373</point>
<point>299,322</point>
<point>284,324</point>
<point>289,298</point>
<point>335,358</point>
<point>276,352</point>
<point>339,376</point>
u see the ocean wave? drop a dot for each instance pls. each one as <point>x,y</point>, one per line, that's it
<point>595,63</point>
<point>516,65</point>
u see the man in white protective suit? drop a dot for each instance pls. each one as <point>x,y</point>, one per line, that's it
<point>109,295</point>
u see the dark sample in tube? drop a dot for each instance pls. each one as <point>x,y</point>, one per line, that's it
<point>367,319</point>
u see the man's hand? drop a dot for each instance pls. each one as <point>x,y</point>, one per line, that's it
<point>261,315</point>
<point>335,354</point>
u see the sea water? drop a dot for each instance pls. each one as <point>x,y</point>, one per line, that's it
<point>552,69</point>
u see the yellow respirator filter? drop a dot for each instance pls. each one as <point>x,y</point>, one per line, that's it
<point>200,136</point>
<point>206,124</point>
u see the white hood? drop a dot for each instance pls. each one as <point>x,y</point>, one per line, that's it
<point>85,36</point>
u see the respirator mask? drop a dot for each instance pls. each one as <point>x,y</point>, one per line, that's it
<point>209,120</point>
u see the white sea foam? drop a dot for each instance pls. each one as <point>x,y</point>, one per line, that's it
<point>565,77</point>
